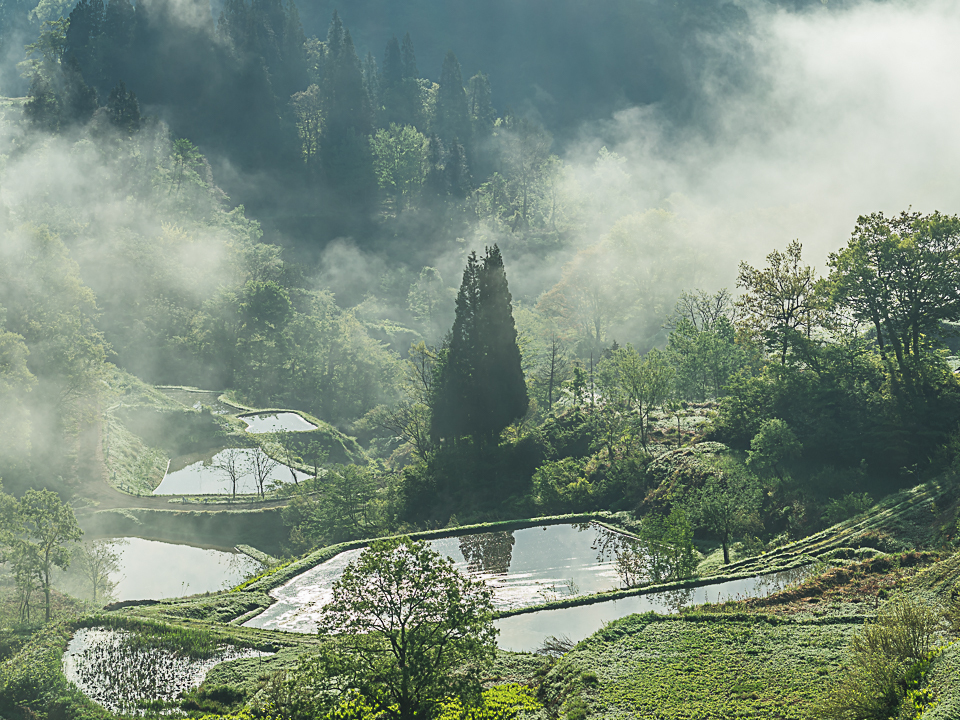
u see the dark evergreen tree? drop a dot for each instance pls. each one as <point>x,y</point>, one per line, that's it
<point>435,184</point>
<point>480,389</point>
<point>83,37</point>
<point>79,100</point>
<point>481,109</point>
<point>42,108</point>
<point>452,119</point>
<point>392,64</point>
<point>371,83</point>
<point>345,149</point>
<point>409,61</point>
<point>124,109</point>
<point>456,174</point>
<point>400,85</point>
<point>455,401</point>
<point>119,25</point>
<point>504,399</point>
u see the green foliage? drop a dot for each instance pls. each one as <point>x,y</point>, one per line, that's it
<point>886,664</point>
<point>903,308</point>
<point>32,680</point>
<point>782,303</point>
<point>851,504</point>
<point>728,503</point>
<point>632,387</point>
<point>772,446</point>
<point>411,630</point>
<point>561,485</point>
<point>703,345</point>
<point>501,702</point>
<point>347,502</point>
<point>400,162</point>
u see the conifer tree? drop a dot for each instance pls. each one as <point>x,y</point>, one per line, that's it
<point>480,388</point>
<point>409,61</point>
<point>392,64</point>
<point>452,120</point>
<point>345,149</point>
<point>124,109</point>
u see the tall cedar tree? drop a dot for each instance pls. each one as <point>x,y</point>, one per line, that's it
<point>480,388</point>
<point>345,150</point>
<point>452,121</point>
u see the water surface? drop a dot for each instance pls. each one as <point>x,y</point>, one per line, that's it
<point>202,474</point>
<point>527,632</point>
<point>276,422</point>
<point>120,677</point>
<point>198,399</point>
<point>150,569</point>
<point>523,567</point>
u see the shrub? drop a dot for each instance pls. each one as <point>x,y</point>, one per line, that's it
<point>878,674</point>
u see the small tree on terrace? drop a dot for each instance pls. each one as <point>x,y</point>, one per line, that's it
<point>47,524</point>
<point>98,560</point>
<point>410,631</point>
<point>262,466</point>
<point>232,466</point>
<point>727,504</point>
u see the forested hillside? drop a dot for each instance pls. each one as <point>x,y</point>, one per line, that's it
<point>364,280</point>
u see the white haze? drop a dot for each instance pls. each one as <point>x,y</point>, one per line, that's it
<point>855,111</point>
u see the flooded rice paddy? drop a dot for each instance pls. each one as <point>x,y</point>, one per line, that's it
<point>277,422</point>
<point>528,631</point>
<point>199,399</point>
<point>523,567</point>
<point>122,677</point>
<point>204,474</point>
<point>150,569</point>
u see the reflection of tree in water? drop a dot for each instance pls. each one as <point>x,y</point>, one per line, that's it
<point>488,552</point>
<point>628,557</point>
<point>765,585</point>
<point>673,600</point>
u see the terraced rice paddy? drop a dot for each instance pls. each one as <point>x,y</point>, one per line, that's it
<point>199,474</point>
<point>277,422</point>
<point>526,632</point>
<point>155,570</point>
<point>124,678</point>
<point>524,567</point>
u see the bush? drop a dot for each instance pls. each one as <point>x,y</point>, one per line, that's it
<point>846,507</point>
<point>881,662</point>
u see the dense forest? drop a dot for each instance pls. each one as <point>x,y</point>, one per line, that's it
<point>687,267</point>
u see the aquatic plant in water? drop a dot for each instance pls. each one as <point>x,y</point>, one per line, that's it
<point>123,675</point>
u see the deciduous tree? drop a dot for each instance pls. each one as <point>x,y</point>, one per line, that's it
<point>411,632</point>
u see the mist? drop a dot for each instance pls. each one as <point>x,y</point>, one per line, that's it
<point>848,113</point>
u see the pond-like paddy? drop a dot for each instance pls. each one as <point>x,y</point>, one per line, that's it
<point>205,474</point>
<point>122,676</point>
<point>150,569</point>
<point>198,399</point>
<point>524,567</point>
<point>528,631</point>
<point>277,422</point>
